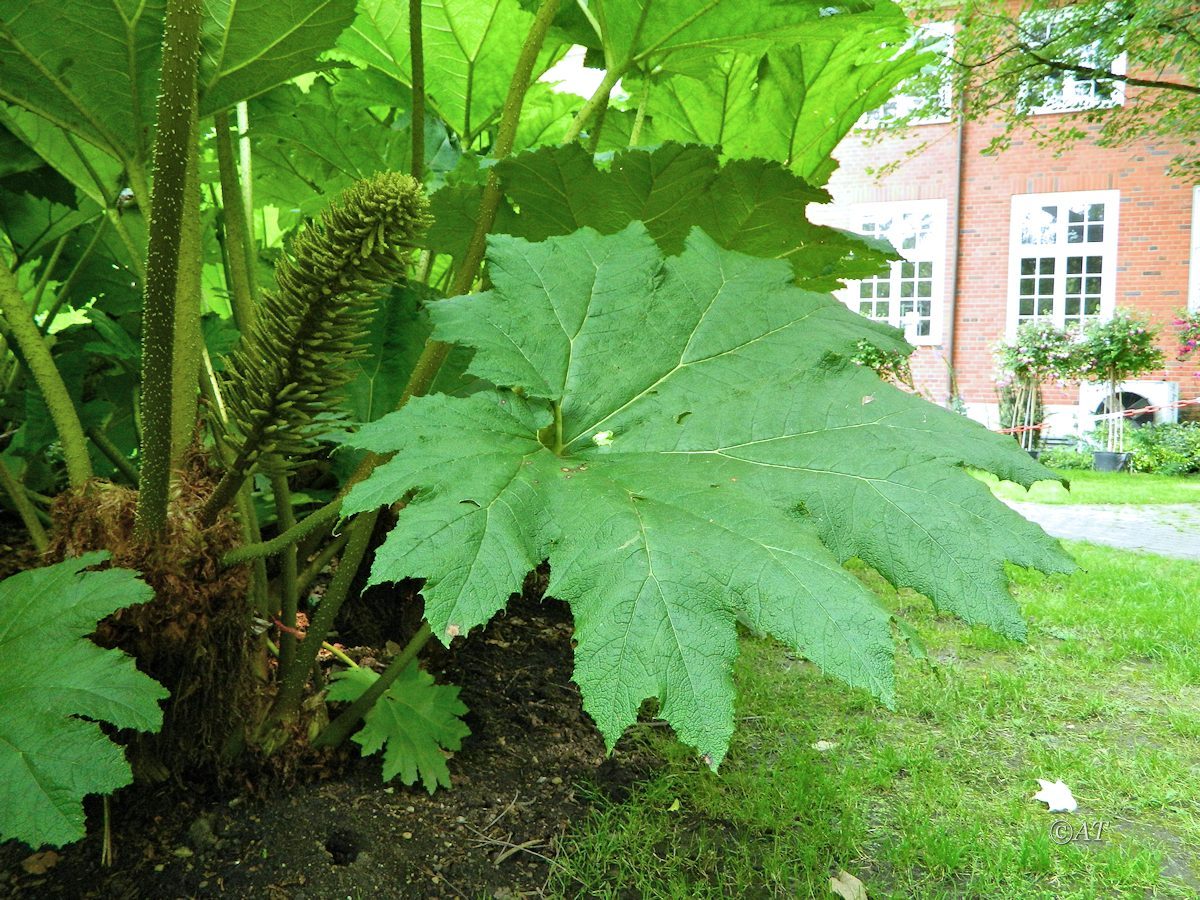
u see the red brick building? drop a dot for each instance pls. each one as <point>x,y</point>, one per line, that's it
<point>992,241</point>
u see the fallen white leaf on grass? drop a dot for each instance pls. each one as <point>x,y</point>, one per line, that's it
<point>1056,795</point>
<point>822,746</point>
<point>848,887</point>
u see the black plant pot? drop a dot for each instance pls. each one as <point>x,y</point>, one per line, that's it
<point>1034,453</point>
<point>1107,461</point>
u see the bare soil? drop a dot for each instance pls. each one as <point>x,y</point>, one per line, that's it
<point>532,765</point>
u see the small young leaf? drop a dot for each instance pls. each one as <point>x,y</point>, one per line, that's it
<point>55,681</point>
<point>413,722</point>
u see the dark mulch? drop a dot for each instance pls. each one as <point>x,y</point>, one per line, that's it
<point>526,772</point>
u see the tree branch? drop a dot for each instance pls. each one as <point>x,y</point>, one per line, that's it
<point>1098,73</point>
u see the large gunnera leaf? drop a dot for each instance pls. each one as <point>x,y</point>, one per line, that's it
<point>753,206</point>
<point>57,686</point>
<point>686,441</point>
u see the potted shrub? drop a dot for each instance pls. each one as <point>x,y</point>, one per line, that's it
<point>1041,352</point>
<point>1112,351</point>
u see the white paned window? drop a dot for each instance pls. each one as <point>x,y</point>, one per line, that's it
<point>910,295</point>
<point>916,106</point>
<point>1062,258</point>
<point>1069,91</point>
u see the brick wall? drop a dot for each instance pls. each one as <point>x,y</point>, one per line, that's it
<point>1154,232</point>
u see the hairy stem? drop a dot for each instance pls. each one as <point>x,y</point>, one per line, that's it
<point>293,678</point>
<point>598,99</point>
<point>279,543</point>
<point>639,117</point>
<point>317,566</point>
<point>246,152</point>
<point>339,655</point>
<point>339,729</point>
<point>38,291</point>
<point>288,588</point>
<point>174,150</point>
<point>36,353</point>
<point>417,59</point>
<point>113,453</point>
<point>186,369</point>
<point>435,352</point>
<point>247,517</point>
<point>64,289</point>
<point>25,509</point>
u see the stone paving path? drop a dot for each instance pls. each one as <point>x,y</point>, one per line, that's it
<point>1168,530</point>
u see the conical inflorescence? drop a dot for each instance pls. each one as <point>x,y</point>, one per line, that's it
<point>287,368</point>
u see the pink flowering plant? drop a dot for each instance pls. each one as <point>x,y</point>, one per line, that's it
<point>890,364</point>
<point>1188,324</point>
<point>1041,352</point>
<point>1123,347</point>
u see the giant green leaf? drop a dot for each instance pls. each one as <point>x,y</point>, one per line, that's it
<point>399,328</point>
<point>309,147</point>
<point>33,224</point>
<point>97,174</point>
<point>413,722</point>
<point>471,49</point>
<point>793,104</point>
<point>89,66</point>
<point>15,156</point>
<point>57,687</point>
<point>753,206</point>
<point>646,31</point>
<point>250,46</point>
<point>689,445</point>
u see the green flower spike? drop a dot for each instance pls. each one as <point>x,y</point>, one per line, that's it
<point>287,368</point>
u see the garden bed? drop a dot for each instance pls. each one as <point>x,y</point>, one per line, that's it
<point>336,830</point>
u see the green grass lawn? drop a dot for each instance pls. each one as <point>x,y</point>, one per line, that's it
<point>1101,487</point>
<point>935,799</point>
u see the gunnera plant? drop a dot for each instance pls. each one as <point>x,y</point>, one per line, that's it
<point>196,636</point>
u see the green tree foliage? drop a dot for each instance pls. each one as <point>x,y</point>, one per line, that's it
<point>1006,59</point>
<point>57,687</point>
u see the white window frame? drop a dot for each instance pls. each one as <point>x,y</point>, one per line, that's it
<point>1061,250</point>
<point>1082,100</point>
<point>1193,296</point>
<point>933,250</point>
<point>902,104</point>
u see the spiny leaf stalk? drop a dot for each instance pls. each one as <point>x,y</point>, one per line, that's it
<point>286,370</point>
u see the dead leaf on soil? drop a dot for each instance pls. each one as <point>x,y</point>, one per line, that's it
<point>848,887</point>
<point>40,863</point>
